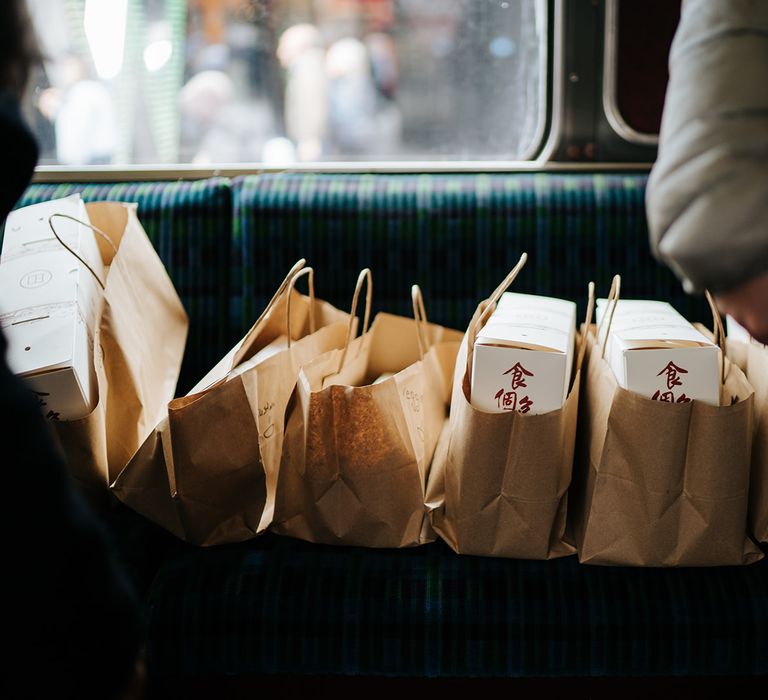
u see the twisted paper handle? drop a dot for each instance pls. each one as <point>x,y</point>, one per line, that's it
<point>291,285</point>
<point>365,276</point>
<point>95,229</point>
<point>490,305</point>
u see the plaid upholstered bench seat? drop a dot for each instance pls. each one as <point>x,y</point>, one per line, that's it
<point>275,607</point>
<point>281,606</point>
<point>457,236</point>
<point>228,243</point>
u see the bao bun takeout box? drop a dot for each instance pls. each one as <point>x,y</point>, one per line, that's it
<point>49,304</point>
<point>523,355</point>
<point>655,352</point>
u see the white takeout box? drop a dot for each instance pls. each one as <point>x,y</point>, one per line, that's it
<point>49,305</point>
<point>655,352</point>
<point>523,355</point>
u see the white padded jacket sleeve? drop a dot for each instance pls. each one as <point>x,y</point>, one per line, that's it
<point>707,196</point>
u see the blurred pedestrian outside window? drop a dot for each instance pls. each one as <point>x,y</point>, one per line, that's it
<point>275,82</point>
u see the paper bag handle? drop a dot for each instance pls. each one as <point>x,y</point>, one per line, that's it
<point>587,324</point>
<point>291,285</point>
<point>242,351</point>
<point>613,300</point>
<point>420,317</point>
<point>718,333</point>
<point>95,229</point>
<point>490,304</point>
<point>365,276</point>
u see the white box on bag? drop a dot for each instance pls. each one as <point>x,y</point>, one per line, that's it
<point>524,354</point>
<point>655,352</point>
<point>49,305</point>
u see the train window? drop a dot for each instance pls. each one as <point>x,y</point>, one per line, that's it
<point>274,82</point>
<point>637,41</point>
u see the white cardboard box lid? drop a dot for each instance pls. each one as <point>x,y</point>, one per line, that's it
<point>531,322</point>
<point>516,300</point>
<point>524,336</point>
<point>29,226</point>
<point>28,232</point>
<point>639,324</point>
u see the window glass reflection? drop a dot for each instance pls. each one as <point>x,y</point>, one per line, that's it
<point>281,81</point>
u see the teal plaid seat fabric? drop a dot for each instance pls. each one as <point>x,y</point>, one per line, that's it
<point>190,224</point>
<point>455,235</point>
<point>277,605</point>
<point>227,245</point>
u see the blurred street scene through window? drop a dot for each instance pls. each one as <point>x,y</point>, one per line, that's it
<point>275,82</point>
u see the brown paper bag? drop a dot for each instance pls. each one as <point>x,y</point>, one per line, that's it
<point>499,481</point>
<point>753,360</point>
<point>138,348</point>
<point>208,470</point>
<point>663,484</point>
<point>357,453</point>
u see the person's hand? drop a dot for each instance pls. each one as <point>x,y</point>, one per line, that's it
<point>748,305</point>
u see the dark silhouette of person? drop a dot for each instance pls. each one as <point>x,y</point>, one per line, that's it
<point>72,622</point>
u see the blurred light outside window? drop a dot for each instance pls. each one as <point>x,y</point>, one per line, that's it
<point>275,82</point>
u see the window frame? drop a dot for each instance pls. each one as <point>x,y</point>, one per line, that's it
<point>609,92</point>
<point>567,117</point>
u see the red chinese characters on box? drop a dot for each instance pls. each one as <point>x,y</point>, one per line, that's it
<point>510,400</point>
<point>523,355</point>
<point>672,372</point>
<point>655,352</point>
